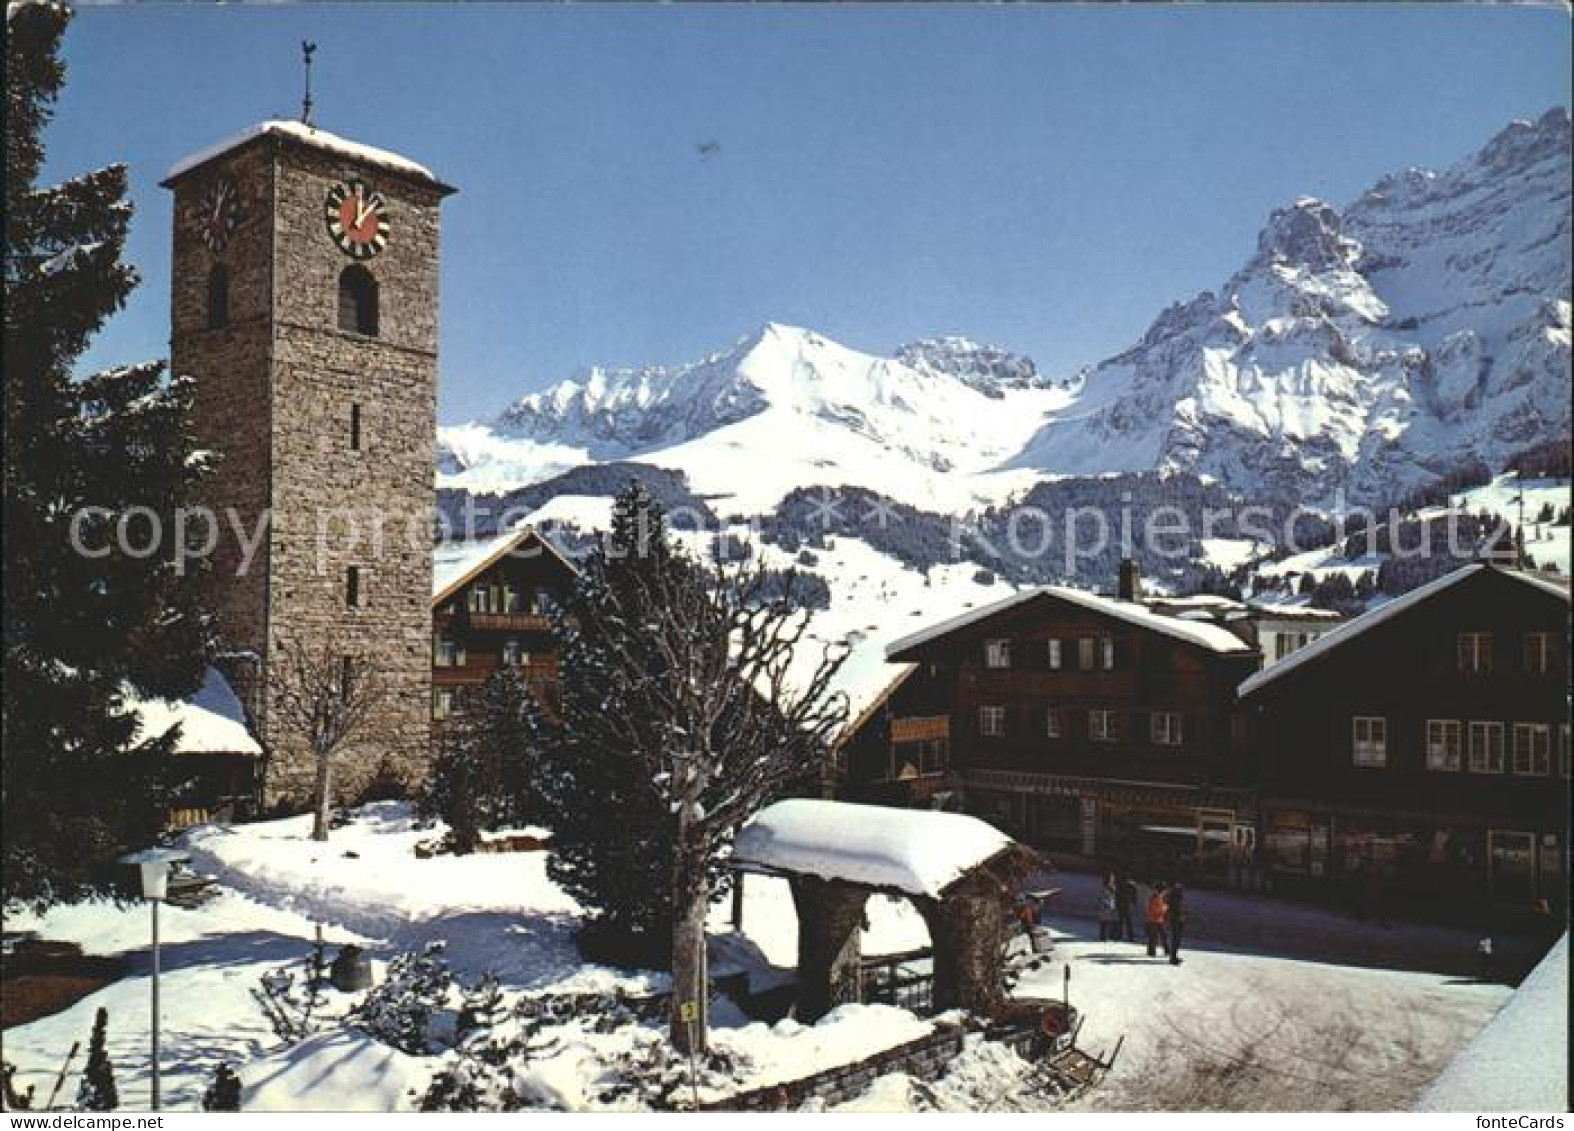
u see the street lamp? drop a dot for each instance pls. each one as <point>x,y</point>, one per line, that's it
<point>154,864</point>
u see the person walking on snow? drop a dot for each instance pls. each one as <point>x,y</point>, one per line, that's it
<point>1109,919</point>
<point>1125,901</point>
<point>1155,923</point>
<point>1175,919</point>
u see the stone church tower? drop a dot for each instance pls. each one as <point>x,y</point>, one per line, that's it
<point>304,307</point>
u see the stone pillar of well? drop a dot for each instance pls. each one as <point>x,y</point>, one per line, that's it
<point>830,928</point>
<point>968,927</point>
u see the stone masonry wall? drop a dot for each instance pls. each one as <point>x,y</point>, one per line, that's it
<point>279,404</point>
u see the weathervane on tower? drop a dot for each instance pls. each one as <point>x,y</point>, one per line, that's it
<point>307,48</point>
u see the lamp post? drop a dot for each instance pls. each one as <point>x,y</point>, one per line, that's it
<point>154,865</point>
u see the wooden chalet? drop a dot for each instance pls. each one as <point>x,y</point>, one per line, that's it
<point>1088,724</point>
<point>1421,751</point>
<point>492,604</point>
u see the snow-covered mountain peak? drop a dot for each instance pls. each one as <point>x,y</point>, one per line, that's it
<point>785,407</point>
<point>1309,235</point>
<point>1522,143</point>
<point>1368,349</point>
<point>988,369</point>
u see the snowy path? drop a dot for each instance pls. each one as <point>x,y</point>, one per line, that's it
<point>1263,924</point>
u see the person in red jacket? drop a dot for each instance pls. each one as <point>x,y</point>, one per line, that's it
<point>1157,910</point>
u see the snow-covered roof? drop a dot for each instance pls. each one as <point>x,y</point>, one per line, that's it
<point>1351,629</point>
<point>917,851</point>
<point>1264,611</point>
<point>454,563</point>
<point>211,722</point>
<point>1209,636</point>
<point>879,700</point>
<point>1519,1062</point>
<point>308,135</point>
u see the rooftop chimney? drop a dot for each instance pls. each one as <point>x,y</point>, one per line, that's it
<point>1129,587</point>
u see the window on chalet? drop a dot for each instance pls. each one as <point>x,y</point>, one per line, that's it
<point>514,654</point>
<point>513,599</point>
<point>346,678</point>
<point>1107,653</point>
<point>1085,646</point>
<point>923,758</point>
<point>447,652</point>
<point>997,653</point>
<point>1052,723</point>
<point>218,296</point>
<point>1532,753</point>
<point>1287,643</point>
<point>1166,728</point>
<point>1101,726</point>
<point>486,599</point>
<point>1538,653</point>
<point>442,702</point>
<point>1442,744</point>
<point>1369,741</point>
<point>358,301</point>
<point>1486,748</point>
<point>1055,658</point>
<point>355,427</point>
<point>931,756</point>
<point>1475,652</point>
<point>352,587</point>
<point>992,722</point>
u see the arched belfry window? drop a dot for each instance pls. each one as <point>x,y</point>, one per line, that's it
<point>357,301</point>
<point>218,296</point>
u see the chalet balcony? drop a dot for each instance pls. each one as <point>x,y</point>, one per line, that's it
<point>509,622</point>
<point>492,622</point>
<point>921,728</point>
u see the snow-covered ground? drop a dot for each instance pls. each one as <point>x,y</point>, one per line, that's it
<point>1517,1062</point>
<point>1230,1028</point>
<point>874,600</point>
<point>1547,543</point>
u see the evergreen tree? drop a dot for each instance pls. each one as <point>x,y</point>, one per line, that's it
<point>679,721</point>
<point>485,774</point>
<point>612,830</point>
<point>97,1090</point>
<point>79,784</point>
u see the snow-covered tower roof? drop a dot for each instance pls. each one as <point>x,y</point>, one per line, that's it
<point>301,134</point>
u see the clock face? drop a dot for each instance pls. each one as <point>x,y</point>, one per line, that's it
<point>357,219</point>
<point>218,213</point>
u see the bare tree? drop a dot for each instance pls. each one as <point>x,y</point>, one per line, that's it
<point>724,707</point>
<point>322,693</point>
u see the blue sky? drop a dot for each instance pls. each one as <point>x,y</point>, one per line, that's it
<point>1045,178</point>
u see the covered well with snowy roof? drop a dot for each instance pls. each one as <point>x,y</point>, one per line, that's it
<point>957,870</point>
<point>914,851</point>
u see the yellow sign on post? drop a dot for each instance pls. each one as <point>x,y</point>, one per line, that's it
<point>689,1012</point>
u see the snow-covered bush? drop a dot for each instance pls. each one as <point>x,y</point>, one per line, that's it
<point>401,1011</point>
<point>294,1008</point>
<point>628,1061</point>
